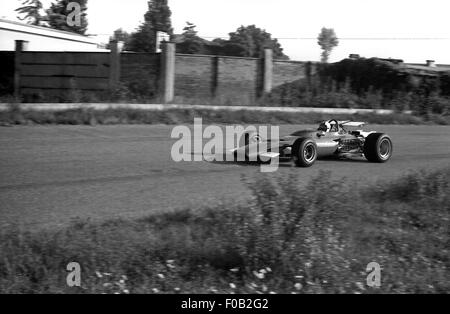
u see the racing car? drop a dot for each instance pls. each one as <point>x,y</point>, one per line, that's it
<point>342,139</point>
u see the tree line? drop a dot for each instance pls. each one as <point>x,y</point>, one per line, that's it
<point>245,41</point>
<point>33,12</point>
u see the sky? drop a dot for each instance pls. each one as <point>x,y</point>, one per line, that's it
<point>412,30</point>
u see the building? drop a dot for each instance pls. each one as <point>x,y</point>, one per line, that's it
<point>43,39</point>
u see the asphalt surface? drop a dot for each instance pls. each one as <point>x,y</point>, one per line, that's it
<point>51,175</point>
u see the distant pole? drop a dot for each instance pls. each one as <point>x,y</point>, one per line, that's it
<point>114,65</point>
<point>268,70</point>
<point>168,72</point>
<point>20,47</point>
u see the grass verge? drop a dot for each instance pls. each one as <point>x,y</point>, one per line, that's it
<point>15,116</point>
<point>292,237</point>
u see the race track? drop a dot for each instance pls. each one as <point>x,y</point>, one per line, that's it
<point>51,175</point>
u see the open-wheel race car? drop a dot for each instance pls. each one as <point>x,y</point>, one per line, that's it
<point>343,139</point>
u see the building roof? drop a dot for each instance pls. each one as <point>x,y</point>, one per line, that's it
<point>44,31</point>
<point>423,67</point>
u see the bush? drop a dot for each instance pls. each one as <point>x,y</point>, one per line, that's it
<point>292,237</point>
<point>16,116</point>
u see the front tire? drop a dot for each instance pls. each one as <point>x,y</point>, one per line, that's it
<point>378,147</point>
<point>304,152</point>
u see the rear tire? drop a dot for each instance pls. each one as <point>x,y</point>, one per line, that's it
<point>378,147</point>
<point>304,152</point>
<point>250,138</point>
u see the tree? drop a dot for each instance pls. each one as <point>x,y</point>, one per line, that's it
<point>327,40</point>
<point>59,12</point>
<point>121,36</point>
<point>250,41</point>
<point>157,19</point>
<point>189,30</point>
<point>189,43</point>
<point>31,12</point>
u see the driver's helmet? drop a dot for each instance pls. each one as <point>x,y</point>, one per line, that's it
<point>325,126</point>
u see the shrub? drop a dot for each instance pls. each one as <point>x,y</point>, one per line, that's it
<point>291,237</point>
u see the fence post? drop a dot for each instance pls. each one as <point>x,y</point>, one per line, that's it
<point>167,72</point>
<point>20,46</point>
<point>114,65</point>
<point>268,70</point>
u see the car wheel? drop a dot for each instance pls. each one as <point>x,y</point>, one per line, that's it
<point>304,152</point>
<point>378,147</point>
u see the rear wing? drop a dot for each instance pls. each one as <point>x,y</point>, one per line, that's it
<point>352,124</point>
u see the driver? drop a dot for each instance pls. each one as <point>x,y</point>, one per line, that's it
<point>325,126</point>
<point>329,126</point>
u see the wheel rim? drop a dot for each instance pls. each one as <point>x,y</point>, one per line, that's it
<point>385,148</point>
<point>309,153</point>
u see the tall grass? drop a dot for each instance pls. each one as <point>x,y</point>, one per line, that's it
<point>292,237</point>
<point>15,116</point>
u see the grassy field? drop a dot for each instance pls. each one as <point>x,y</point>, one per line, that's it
<point>16,116</point>
<point>291,238</point>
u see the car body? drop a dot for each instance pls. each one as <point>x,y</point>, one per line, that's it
<point>342,139</point>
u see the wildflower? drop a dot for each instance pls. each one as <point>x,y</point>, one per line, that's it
<point>272,292</point>
<point>170,261</point>
<point>298,277</point>
<point>258,275</point>
<point>268,269</point>
<point>98,274</point>
<point>234,270</point>
<point>107,274</point>
<point>126,291</point>
<point>360,286</point>
<point>177,290</point>
<point>298,286</point>
<point>264,288</point>
<point>161,276</point>
<point>121,281</point>
<point>263,271</point>
<point>155,290</point>
<point>308,264</point>
<point>124,277</point>
<point>232,285</point>
<point>106,285</point>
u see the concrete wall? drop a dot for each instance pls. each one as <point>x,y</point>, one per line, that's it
<point>57,73</point>
<point>166,76</point>
<point>238,78</point>
<point>6,73</point>
<point>288,71</point>
<point>198,76</point>
<point>194,76</point>
<point>140,72</point>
